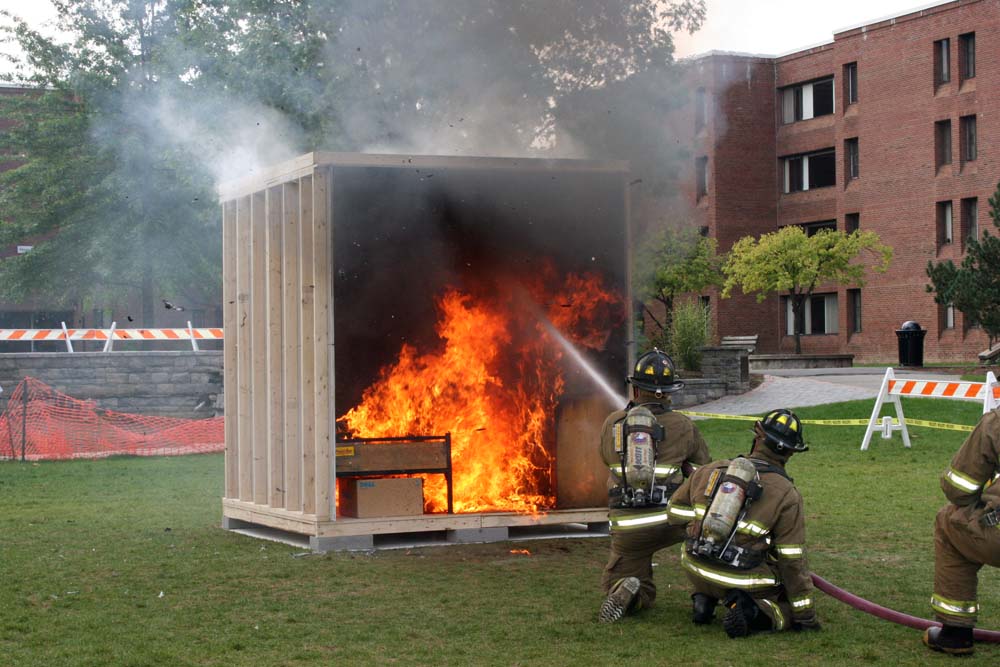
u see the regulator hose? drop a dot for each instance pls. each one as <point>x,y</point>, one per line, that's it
<point>892,615</point>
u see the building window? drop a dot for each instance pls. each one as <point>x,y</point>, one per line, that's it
<point>701,174</point>
<point>852,165</point>
<point>810,228</point>
<point>946,315</point>
<point>850,83</point>
<point>942,61</point>
<point>942,143</point>
<point>807,100</point>
<point>967,131</point>
<point>970,219</point>
<point>806,172</point>
<point>944,223</point>
<point>34,320</point>
<point>852,222</point>
<point>700,109</point>
<point>854,314</point>
<point>703,231</point>
<point>820,316</point>
<point>967,56</point>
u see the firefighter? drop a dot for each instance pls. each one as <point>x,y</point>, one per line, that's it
<point>648,449</point>
<point>966,536</point>
<point>746,535</point>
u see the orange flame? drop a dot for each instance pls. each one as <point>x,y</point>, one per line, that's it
<point>494,385</point>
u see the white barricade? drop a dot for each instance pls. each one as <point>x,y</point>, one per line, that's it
<point>987,393</point>
<point>109,336</point>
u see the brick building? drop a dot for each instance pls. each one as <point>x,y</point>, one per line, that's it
<point>41,314</point>
<point>892,127</point>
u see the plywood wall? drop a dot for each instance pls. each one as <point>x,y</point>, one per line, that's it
<point>277,317</point>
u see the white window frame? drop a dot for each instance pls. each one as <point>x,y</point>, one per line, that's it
<point>808,108</point>
<point>832,315</point>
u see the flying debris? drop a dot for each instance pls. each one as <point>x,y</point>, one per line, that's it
<point>170,306</point>
<point>129,318</point>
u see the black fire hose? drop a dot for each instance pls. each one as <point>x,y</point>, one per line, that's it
<point>892,615</point>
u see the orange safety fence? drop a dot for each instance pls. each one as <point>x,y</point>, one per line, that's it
<point>41,423</point>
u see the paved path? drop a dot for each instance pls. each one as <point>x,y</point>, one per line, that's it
<point>800,387</point>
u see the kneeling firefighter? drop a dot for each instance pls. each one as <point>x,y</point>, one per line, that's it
<point>648,449</point>
<point>966,536</point>
<point>746,535</point>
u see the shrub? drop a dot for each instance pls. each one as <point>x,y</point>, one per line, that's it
<point>689,332</point>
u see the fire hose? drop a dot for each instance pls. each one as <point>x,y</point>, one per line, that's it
<point>891,615</point>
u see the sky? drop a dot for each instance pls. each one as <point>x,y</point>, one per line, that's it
<point>776,27</point>
<point>765,27</point>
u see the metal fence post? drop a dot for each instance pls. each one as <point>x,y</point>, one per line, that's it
<point>24,417</point>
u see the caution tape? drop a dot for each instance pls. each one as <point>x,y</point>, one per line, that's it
<point>745,418</point>
<point>836,422</point>
<point>941,425</point>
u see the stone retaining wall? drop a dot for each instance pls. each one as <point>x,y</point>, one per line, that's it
<point>763,362</point>
<point>175,384</point>
<point>729,365</point>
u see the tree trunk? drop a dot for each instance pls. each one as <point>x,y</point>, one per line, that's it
<point>798,313</point>
<point>148,312</point>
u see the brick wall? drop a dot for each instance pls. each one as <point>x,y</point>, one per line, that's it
<point>898,188</point>
<point>175,384</point>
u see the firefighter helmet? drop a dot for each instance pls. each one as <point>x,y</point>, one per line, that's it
<point>654,371</point>
<point>783,431</point>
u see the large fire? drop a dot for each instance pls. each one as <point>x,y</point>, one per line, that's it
<point>494,384</point>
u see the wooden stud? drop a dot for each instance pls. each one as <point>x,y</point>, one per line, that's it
<point>244,423</point>
<point>307,357</point>
<point>258,343</point>
<point>275,345</point>
<point>229,345</point>
<point>323,342</point>
<point>291,320</point>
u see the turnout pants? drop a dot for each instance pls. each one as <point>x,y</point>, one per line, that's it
<point>772,600</point>
<point>632,552</point>
<point>961,547</point>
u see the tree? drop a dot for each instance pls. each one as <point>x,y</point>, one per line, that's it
<point>672,263</point>
<point>154,102</point>
<point>788,261</point>
<point>116,212</point>
<point>974,287</point>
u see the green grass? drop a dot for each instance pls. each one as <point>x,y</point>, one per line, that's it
<point>87,547</point>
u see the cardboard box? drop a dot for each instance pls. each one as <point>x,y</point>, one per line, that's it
<point>396,496</point>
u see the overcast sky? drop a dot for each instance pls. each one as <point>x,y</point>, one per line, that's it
<point>767,27</point>
<point>775,27</point>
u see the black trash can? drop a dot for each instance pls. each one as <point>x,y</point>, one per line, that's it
<point>911,344</point>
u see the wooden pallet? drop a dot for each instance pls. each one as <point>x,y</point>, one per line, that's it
<point>362,534</point>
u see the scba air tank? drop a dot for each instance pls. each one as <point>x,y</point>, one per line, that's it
<point>725,508</point>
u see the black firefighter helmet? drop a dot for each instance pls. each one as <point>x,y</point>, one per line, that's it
<point>783,431</point>
<point>654,372</point>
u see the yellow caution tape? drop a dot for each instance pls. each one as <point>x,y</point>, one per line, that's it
<point>941,425</point>
<point>838,422</point>
<point>745,418</point>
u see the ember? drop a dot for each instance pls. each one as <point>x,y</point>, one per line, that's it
<point>494,384</point>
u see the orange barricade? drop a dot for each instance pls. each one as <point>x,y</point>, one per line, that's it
<point>41,423</point>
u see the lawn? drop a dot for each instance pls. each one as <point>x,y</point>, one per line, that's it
<point>122,562</point>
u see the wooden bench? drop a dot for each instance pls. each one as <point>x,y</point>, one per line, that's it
<point>748,343</point>
<point>379,457</point>
<point>990,354</point>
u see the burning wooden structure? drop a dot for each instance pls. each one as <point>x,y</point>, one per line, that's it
<point>403,297</point>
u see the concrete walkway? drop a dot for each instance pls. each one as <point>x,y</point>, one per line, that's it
<point>791,388</point>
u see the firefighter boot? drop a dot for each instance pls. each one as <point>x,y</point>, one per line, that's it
<point>703,608</point>
<point>620,600</point>
<point>744,616</point>
<point>950,639</point>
